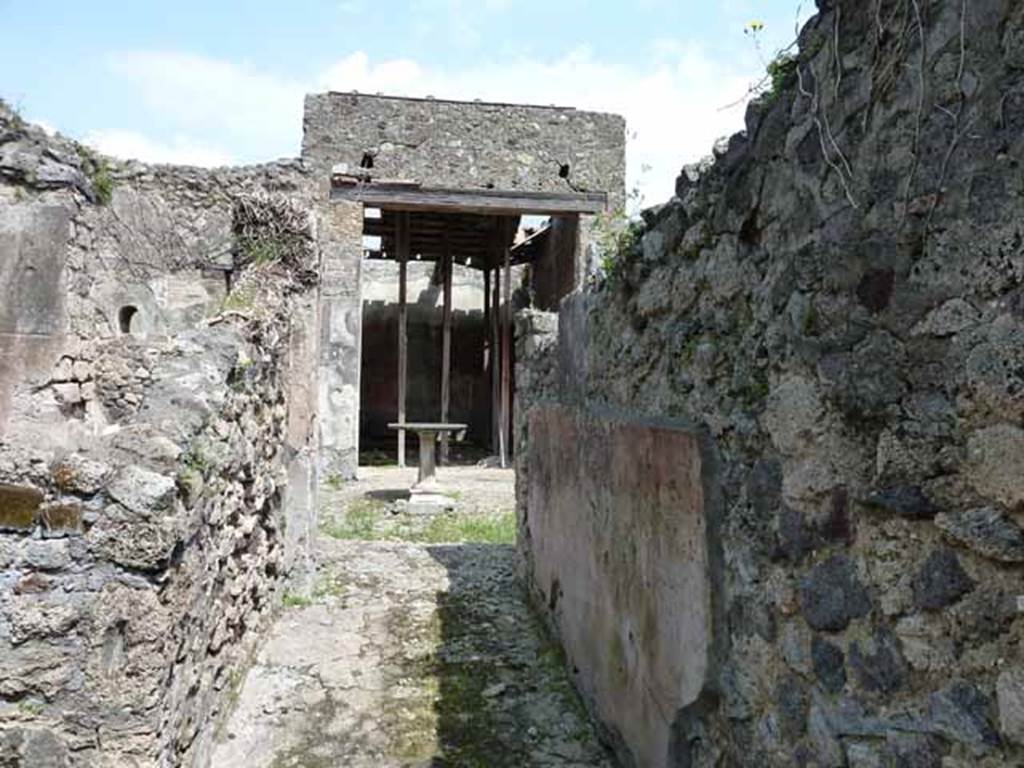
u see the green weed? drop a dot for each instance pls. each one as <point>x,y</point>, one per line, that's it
<point>295,601</point>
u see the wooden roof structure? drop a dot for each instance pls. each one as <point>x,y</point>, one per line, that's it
<point>403,195</point>
<point>478,227</point>
<point>472,224</point>
<point>477,241</point>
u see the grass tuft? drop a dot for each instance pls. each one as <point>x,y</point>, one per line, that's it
<point>370,519</point>
<point>295,601</point>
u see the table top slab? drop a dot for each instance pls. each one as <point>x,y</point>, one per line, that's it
<point>428,427</point>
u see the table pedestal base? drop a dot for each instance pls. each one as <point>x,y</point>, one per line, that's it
<point>427,496</point>
<point>429,503</point>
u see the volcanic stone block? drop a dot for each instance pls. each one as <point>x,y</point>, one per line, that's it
<point>791,701</point>
<point>828,663</point>
<point>878,664</point>
<point>961,712</point>
<point>1010,695</point>
<point>903,500</point>
<point>940,582</point>
<point>141,490</point>
<point>996,459</point>
<point>987,531</point>
<point>831,595</point>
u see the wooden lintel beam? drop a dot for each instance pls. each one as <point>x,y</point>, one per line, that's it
<point>482,201</point>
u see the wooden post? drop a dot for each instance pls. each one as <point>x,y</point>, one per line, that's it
<point>402,246</point>
<point>488,356</point>
<point>487,318</point>
<point>506,352</point>
<point>496,342</point>
<point>446,347</point>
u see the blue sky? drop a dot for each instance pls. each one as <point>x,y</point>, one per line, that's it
<point>222,82</point>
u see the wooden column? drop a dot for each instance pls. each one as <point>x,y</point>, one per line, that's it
<point>506,350</point>
<point>446,347</point>
<point>402,248</point>
<point>487,318</point>
<point>488,356</point>
<point>496,342</point>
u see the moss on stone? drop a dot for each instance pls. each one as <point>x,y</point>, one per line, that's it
<point>62,517</point>
<point>19,506</point>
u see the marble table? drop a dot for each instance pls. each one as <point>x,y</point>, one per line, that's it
<point>427,490</point>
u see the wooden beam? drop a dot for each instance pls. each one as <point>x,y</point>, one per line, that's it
<point>402,197</point>
<point>488,352</point>
<point>402,240</point>
<point>487,313</point>
<point>480,261</point>
<point>496,345</point>
<point>446,350</point>
<point>506,361</point>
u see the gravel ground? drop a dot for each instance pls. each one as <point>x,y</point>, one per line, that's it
<point>410,654</point>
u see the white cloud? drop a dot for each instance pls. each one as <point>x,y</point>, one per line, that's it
<point>135,146</point>
<point>243,107</point>
<point>672,101</point>
<point>454,21</point>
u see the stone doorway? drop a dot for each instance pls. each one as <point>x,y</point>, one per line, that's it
<point>435,353</point>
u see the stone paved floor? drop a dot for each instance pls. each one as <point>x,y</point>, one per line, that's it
<point>410,653</point>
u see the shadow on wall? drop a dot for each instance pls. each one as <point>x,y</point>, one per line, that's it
<point>470,386</point>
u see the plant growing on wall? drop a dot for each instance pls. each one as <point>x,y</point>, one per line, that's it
<point>778,69</point>
<point>98,170</point>
<point>274,229</point>
<point>615,236</point>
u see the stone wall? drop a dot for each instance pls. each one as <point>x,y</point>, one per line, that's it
<point>161,242</point>
<point>157,487</point>
<point>139,566</point>
<point>557,272</point>
<point>835,297</point>
<point>467,145</point>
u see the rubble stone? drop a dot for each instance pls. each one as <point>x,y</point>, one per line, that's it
<point>987,531</point>
<point>940,581</point>
<point>831,595</point>
<point>1010,695</point>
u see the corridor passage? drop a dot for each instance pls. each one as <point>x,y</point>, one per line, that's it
<point>417,648</point>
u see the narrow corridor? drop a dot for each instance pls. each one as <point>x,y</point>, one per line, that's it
<point>415,652</point>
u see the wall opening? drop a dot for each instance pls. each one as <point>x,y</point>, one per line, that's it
<point>455,310</point>
<point>128,319</point>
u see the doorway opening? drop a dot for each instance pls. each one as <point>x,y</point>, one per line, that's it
<point>440,289</point>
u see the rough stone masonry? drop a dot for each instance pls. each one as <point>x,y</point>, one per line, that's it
<point>822,329</point>
<point>179,363</point>
<point>834,303</point>
<point>155,477</point>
